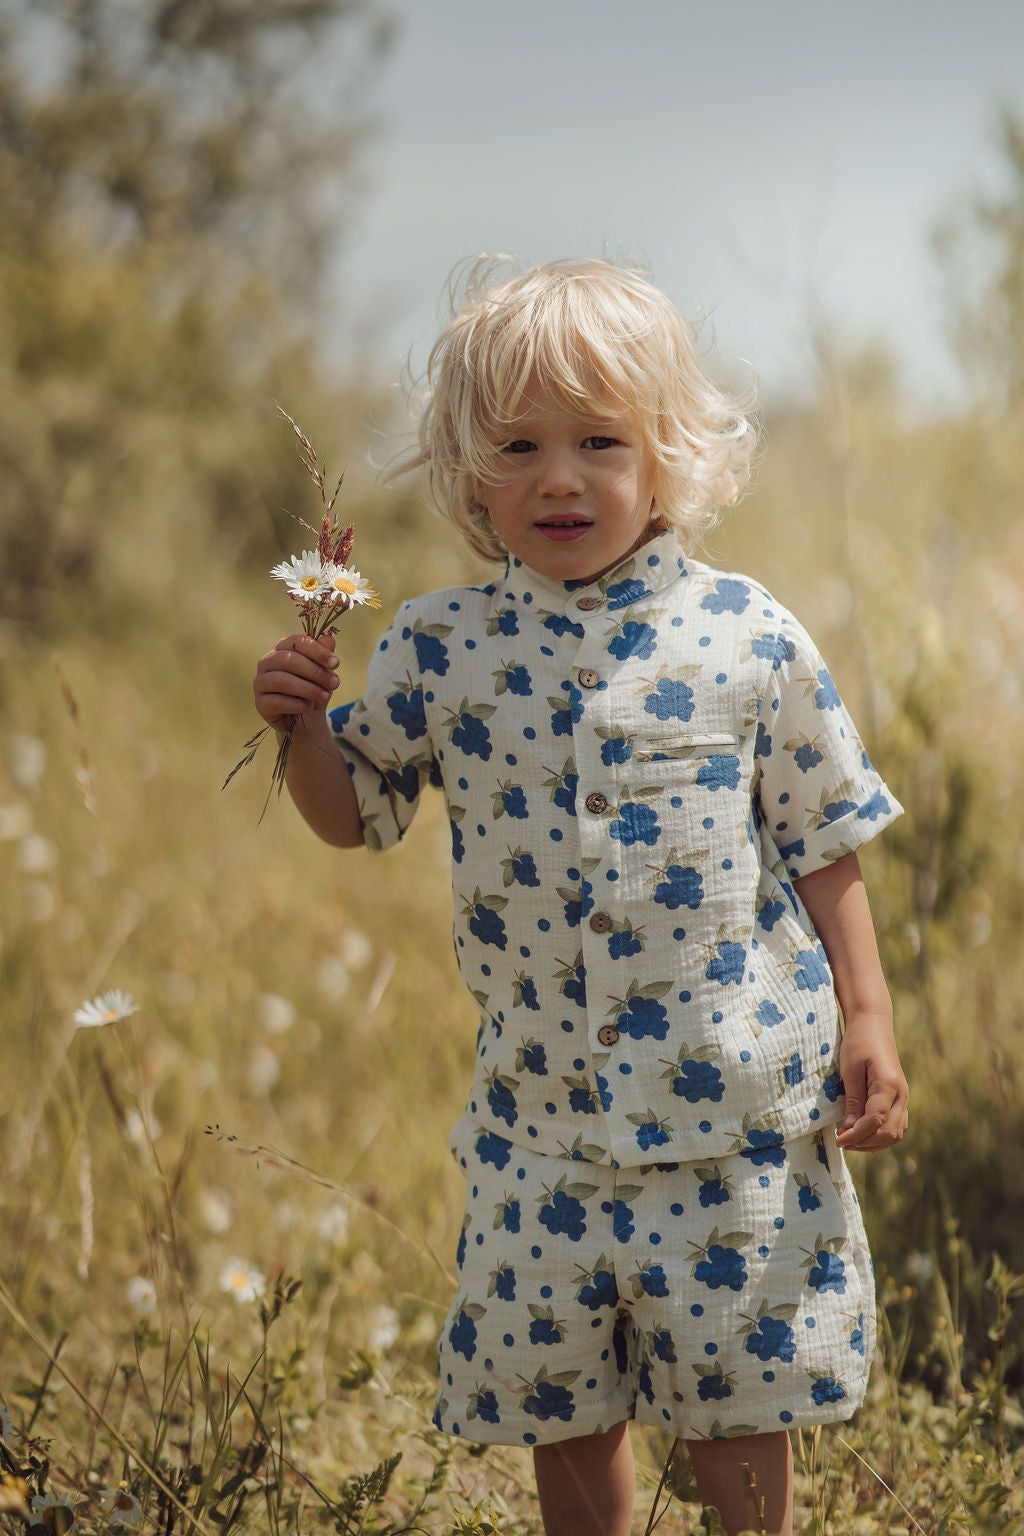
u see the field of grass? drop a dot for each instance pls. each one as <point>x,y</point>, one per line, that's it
<point>227,1223</point>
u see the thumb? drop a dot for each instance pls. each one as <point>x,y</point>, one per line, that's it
<point>856,1101</point>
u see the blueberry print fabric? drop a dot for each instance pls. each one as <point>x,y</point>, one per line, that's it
<point>726,1297</point>
<point>635,771</point>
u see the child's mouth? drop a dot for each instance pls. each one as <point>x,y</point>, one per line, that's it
<point>565,529</point>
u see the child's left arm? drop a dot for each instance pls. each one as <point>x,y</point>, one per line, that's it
<point>876,1089</point>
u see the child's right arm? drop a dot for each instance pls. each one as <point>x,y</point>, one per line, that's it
<point>294,681</point>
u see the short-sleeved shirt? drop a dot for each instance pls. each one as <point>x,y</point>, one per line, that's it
<point>635,770</point>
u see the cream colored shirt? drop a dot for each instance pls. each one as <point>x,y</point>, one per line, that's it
<point>635,771</point>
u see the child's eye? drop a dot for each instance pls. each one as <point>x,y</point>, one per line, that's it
<point>518,445</point>
<point>598,440</point>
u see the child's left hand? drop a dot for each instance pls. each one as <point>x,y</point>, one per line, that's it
<point>876,1089</point>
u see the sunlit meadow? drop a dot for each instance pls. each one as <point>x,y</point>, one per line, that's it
<point>228,1219</point>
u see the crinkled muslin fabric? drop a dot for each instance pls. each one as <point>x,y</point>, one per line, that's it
<point>635,769</point>
<point>721,1298</point>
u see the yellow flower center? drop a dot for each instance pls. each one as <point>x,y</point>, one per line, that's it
<point>345,585</point>
<point>310,583</point>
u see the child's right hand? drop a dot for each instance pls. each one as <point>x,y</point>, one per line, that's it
<point>296,677</point>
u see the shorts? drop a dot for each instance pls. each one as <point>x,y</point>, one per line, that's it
<point>727,1297</point>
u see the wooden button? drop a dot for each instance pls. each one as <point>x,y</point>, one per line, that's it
<point>596,803</point>
<point>589,678</point>
<point>601,922</point>
<point>587,603</point>
<point>608,1034</point>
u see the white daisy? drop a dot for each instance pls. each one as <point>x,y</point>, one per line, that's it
<point>333,1224</point>
<point>242,1281</point>
<point>383,1328</point>
<point>41,1502</point>
<point>215,1211</point>
<point>345,581</point>
<point>122,1509</point>
<point>141,1294</point>
<point>276,1014</point>
<point>108,1008</point>
<point>304,575</point>
<point>27,758</point>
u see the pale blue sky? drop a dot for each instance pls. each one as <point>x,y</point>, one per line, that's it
<point>767,160</point>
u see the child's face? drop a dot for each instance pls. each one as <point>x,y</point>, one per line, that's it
<point>576,496</point>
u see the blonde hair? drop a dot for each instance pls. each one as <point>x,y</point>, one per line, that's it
<point>592,332</point>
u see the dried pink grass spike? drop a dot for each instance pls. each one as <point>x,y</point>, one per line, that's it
<point>325,540</point>
<point>343,545</point>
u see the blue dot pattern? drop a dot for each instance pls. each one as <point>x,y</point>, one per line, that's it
<point>611,782</point>
<point>706,1298</point>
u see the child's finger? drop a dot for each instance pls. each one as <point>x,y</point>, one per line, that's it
<point>304,651</point>
<point>881,1124</point>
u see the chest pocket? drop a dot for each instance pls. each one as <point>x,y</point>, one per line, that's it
<point>685,749</point>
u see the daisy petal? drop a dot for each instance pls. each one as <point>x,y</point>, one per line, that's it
<point>108,1008</point>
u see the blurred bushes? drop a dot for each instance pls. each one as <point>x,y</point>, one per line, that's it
<point>170,175</point>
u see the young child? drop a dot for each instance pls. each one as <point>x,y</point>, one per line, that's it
<point>656,797</point>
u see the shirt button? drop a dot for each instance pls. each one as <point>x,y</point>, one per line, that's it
<point>589,678</point>
<point>597,803</point>
<point>601,922</point>
<point>608,1034</point>
<point>587,603</point>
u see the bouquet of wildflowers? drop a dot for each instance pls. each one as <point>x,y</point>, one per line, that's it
<point>321,583</point>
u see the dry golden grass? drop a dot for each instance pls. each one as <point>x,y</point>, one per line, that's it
<point>306,1002</point>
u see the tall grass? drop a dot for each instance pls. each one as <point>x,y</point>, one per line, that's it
<point>273,1119</point>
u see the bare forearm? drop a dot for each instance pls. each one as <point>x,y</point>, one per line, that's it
<point>292,688</point>
<point>876,1089</point>
<point>837,903</point>
<point>321,786</point>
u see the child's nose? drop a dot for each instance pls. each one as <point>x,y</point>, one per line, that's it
<point>559,475</point>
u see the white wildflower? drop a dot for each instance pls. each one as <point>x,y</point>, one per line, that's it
<point>108,1008</point>
<point>919,1267</point>
<point>303,574</point>
<point>276,1014</point>
<point>344,581</point>
<point>28,759</point>
<point>383,1328</point>
<point>263,1069</point>
<point>333,1224</point>
<point>215,1211</point>
<point>15,822</point>
<point>135,1127</point>
<point>242,1281</point>
<point>332,976</point>
<point>122,1509</point>
<point>42,1502</point>
<point>141,1294</point>
<point>355,949</point>
<point>37,855</point>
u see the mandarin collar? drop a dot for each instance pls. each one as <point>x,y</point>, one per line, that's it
<point>646,571</point>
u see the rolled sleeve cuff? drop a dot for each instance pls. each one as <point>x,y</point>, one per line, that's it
<point>381,826</point>
<point>876,809</point>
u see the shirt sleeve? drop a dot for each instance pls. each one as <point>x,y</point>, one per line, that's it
<point>817,790</point>
<point>385,740</point>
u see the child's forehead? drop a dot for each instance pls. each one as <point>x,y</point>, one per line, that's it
<point>542,400</point>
